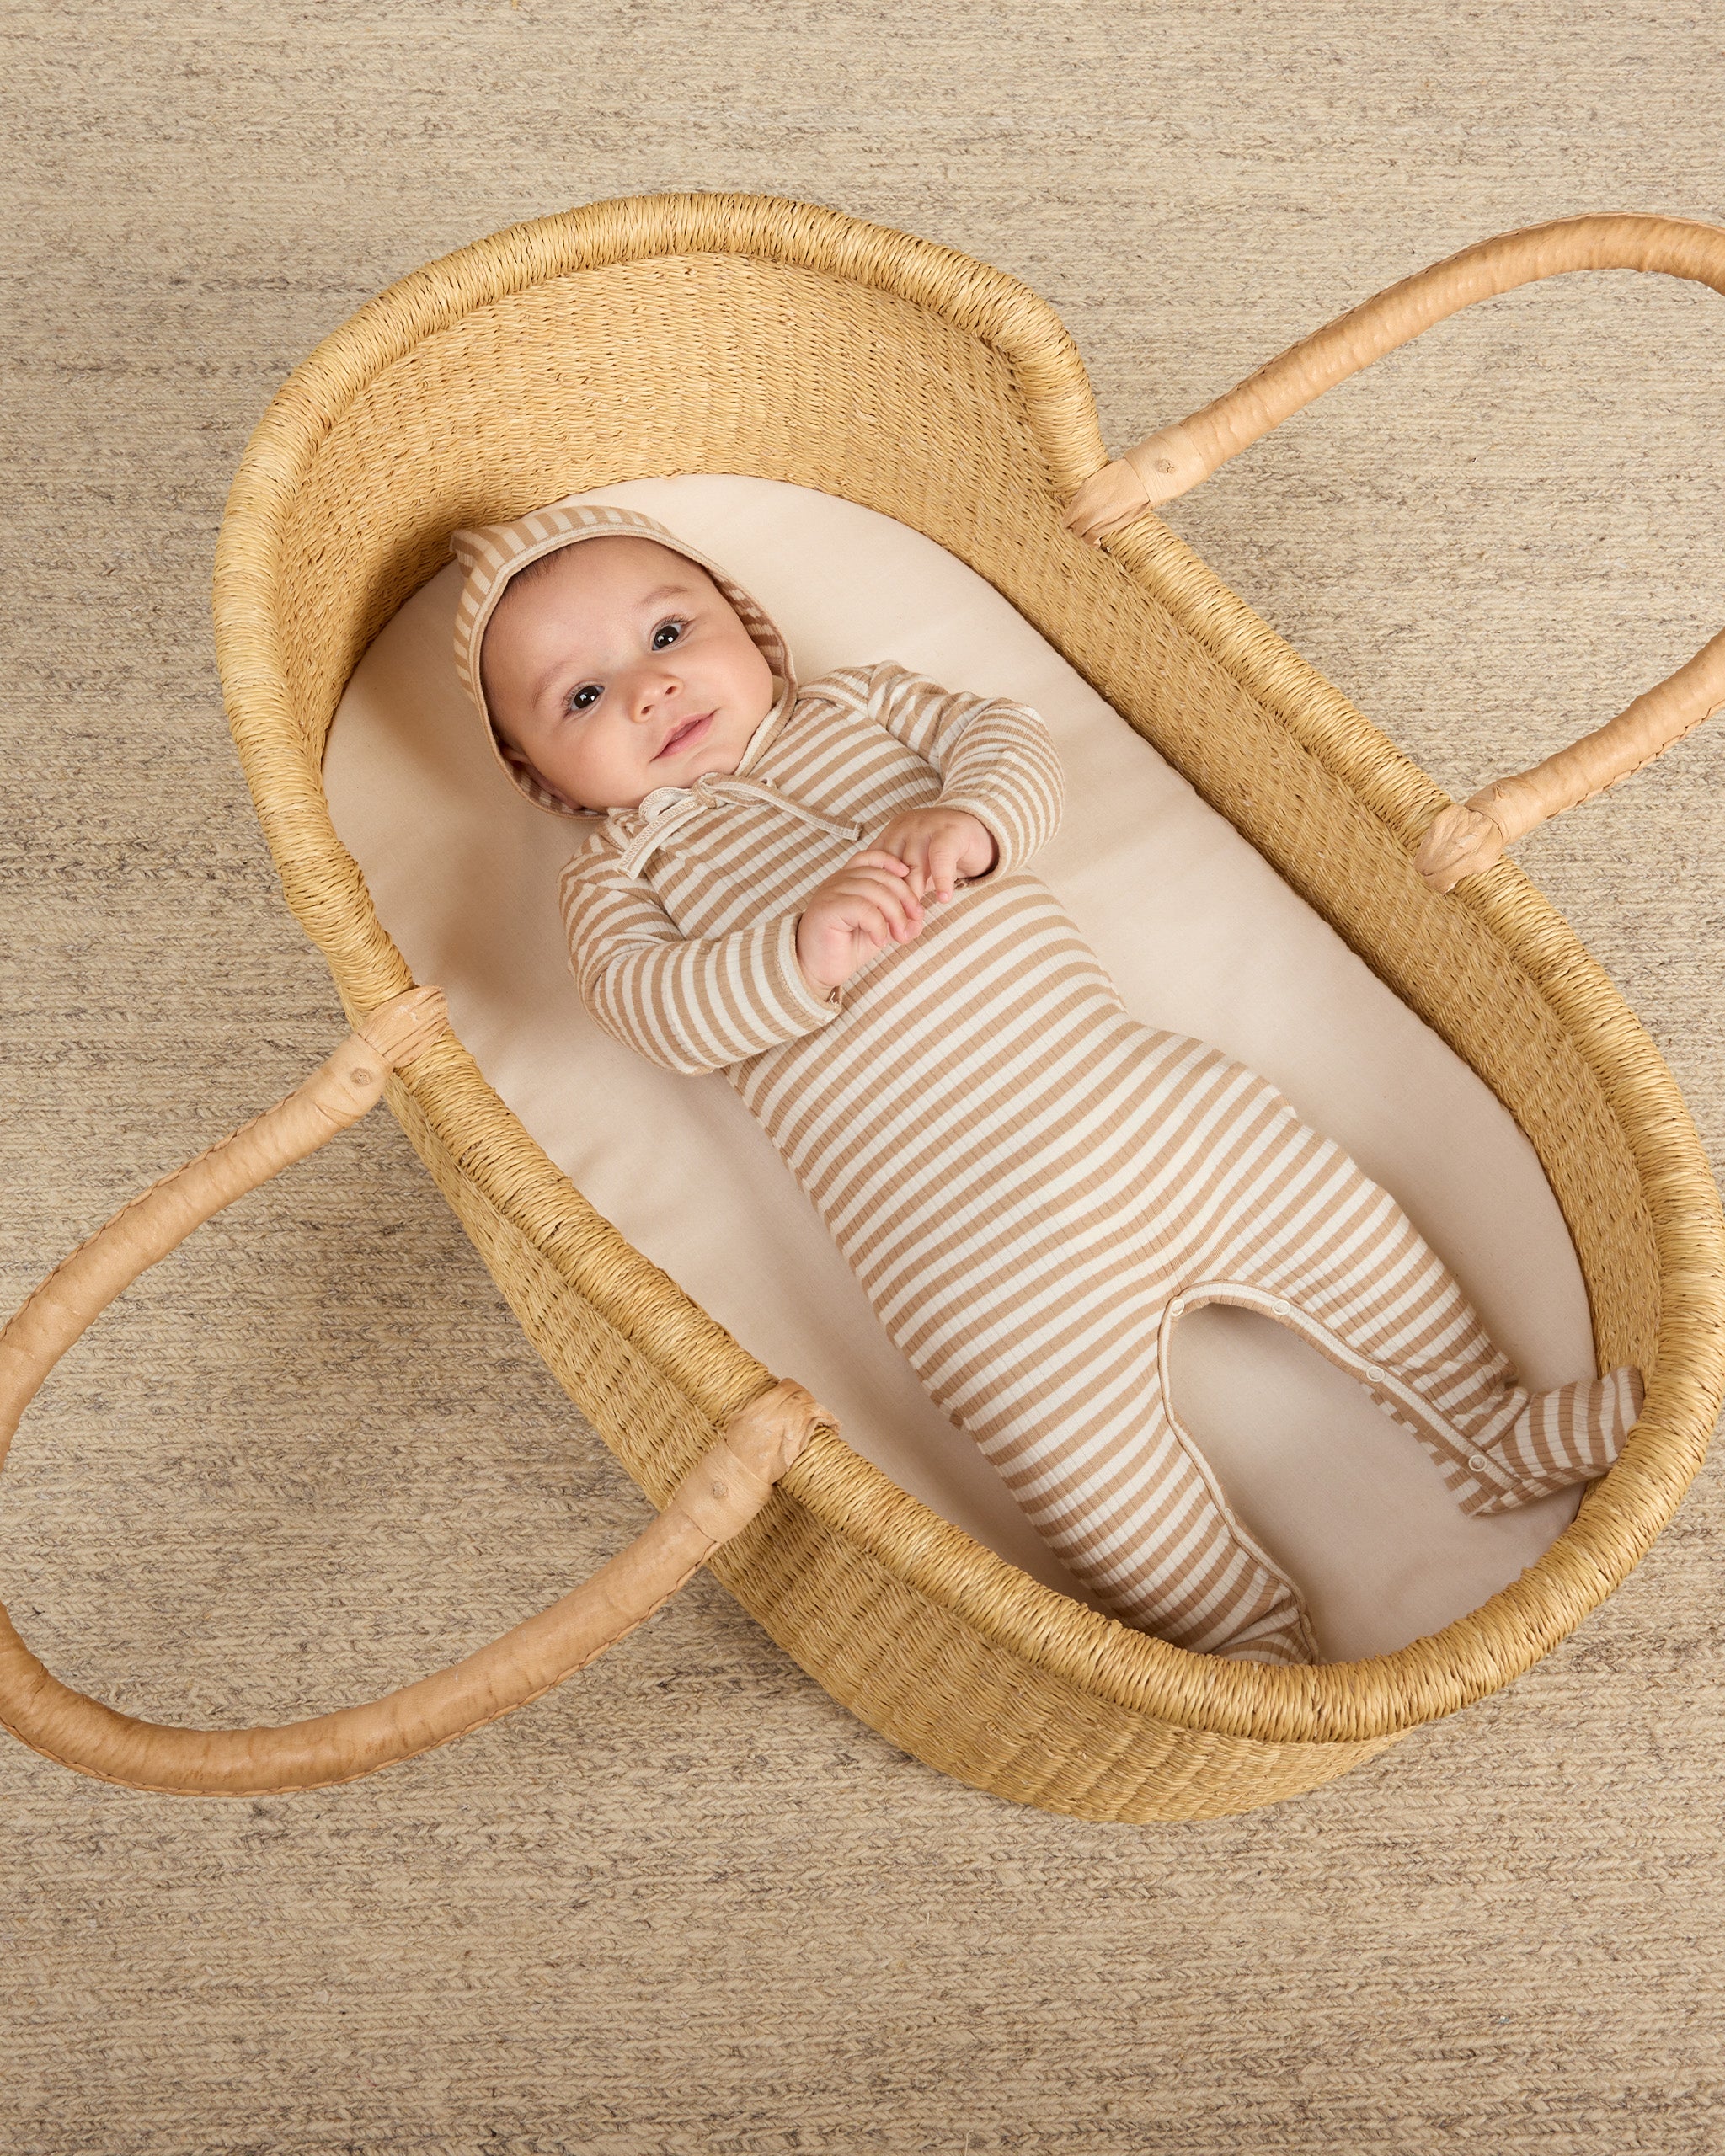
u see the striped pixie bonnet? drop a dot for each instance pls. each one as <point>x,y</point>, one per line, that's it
<point>490,555</point>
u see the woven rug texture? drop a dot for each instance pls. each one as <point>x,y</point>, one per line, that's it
<point>687,1905</point>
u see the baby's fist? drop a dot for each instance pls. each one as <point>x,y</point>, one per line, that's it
<point>939,846</point>
<point>845,921</point>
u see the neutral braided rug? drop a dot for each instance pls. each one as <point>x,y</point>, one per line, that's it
<point>687,1904</point>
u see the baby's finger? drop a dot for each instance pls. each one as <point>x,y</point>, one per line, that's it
<point>894,893</point>
<point>880,924</point>
<point>943,852</point>
<point>870,927</point>
<point>905,855</point>
<point>869,913</point>
<point>900,909</point>
<point>876,856</point>
<point>917,856</point>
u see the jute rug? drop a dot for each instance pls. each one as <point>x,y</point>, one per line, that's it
<point>687,1904</point>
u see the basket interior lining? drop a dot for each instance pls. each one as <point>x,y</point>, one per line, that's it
<point>706,1199</point>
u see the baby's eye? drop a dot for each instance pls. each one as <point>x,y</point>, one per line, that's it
<point>675,629</point>
<point>584,698</point>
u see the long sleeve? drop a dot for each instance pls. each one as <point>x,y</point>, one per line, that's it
<point>997,760</point>
<point>690,1004</point>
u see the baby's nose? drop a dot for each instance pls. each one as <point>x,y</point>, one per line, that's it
<point>653,693</point>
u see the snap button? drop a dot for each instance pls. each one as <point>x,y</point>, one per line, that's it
<point>1280,1305</point>
<point>1478,1462</point>
<point>1374,1374</point>
<point>1177,1305</point>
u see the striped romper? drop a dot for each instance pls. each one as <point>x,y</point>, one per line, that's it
<point>1030,1185</point>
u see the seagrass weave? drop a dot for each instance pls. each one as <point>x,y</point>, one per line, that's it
<point>741,333</point>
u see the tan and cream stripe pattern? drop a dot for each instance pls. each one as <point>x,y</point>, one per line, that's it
<point>1031,1186</point>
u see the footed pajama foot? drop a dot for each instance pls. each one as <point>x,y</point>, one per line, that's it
<point>1277,1628</point>
<point>1292,1643</point>
<point>1553,1441</point>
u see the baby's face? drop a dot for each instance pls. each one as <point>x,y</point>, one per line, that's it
<point>620,667</point>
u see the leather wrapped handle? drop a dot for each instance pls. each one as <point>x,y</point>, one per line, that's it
<point>1464,838</point>
<point>715,1499</point>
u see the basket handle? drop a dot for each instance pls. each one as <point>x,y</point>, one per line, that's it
<point>1464,838</point>
<point>714,1501</point>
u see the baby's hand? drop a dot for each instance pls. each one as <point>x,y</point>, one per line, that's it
<point>938,846</point>
<point>847,920</point>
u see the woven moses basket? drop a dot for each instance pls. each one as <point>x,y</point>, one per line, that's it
<point>744,334</point>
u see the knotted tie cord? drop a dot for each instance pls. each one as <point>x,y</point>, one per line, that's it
<point>667,809</point>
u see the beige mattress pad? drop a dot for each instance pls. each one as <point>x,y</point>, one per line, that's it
<point>1199,932</point>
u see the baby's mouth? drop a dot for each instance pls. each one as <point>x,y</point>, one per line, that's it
<point>689,730</point>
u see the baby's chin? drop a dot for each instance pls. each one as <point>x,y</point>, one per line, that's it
<point>710,767</point>
<point>649,782</point>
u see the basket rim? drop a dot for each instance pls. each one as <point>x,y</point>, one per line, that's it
<point>1374,1698</point>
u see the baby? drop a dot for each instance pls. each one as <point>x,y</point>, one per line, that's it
<point>821,891</point>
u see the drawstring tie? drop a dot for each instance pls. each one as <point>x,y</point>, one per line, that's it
<point>667,809</point>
